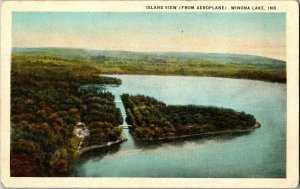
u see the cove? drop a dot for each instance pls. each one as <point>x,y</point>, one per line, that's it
<point>260,154</point>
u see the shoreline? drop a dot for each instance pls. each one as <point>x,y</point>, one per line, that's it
<point>193,75</point>
<point>257,125</point>
<point>108,144</point>
<point>123,139</point>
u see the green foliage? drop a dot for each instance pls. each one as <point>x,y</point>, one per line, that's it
<point>46,103</point>
<point>102,132</point>
<point>152,119</point>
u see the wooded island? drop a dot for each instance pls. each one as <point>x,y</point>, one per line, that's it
<point>154,120</point>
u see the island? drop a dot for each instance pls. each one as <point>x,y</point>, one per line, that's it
<point>152,120</point>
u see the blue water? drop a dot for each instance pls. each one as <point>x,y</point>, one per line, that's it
<point>260,154</point>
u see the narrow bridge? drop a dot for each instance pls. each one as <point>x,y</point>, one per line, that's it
<point>125,126</point>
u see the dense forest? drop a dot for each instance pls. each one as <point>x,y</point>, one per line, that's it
<point>152,119</point>
<point>53,90</point>
<point>171,63</point>
<point>46,105</point>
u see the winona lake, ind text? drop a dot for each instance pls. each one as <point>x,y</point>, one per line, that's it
<point>211,7</point>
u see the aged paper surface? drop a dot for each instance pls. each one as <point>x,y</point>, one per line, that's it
<point>213,27</point>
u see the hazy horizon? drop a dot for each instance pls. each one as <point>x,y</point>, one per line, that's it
<point>259,34</point>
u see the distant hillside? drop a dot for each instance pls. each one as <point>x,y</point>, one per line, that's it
<point>58,52</point>
<point>214,57</point>
<point>170,63</point>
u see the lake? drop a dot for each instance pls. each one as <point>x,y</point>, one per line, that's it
<point>260,154</point>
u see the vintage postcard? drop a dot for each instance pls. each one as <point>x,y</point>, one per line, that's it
<point>149,94</point>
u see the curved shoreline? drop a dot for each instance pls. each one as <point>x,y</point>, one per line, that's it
<point>123,139</point>
<point>257,125</point>
<point>111,143</point>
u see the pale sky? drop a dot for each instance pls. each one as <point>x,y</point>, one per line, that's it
<point>260,34</point>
